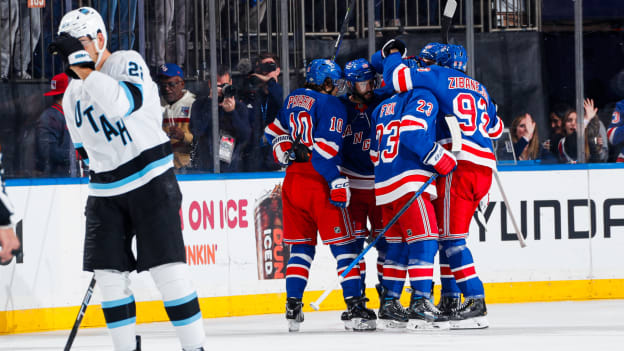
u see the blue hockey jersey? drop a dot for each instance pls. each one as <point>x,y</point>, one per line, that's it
<point>356,162</point>
<point>615,132</point>
<point>319,120</point>
<point>403,133</point>
<point>459,95</point>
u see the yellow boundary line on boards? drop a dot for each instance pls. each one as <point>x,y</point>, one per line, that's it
<point>58,318</point>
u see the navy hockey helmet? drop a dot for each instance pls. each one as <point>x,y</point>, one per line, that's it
<point>454,56</point>
<point>434,51</point>
<point>359,70</point>
<point>460,57</point>
<point>320,69</point>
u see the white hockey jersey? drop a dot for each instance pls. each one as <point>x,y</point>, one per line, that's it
<point>115,116</point>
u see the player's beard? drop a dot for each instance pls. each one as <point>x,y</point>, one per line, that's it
<point>366,98</point>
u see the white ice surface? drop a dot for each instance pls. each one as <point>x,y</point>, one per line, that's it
<point>575,325</point>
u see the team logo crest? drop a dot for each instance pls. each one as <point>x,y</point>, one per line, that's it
<point>185,110</point>
<point>337,230</point>
<point>53,84</point>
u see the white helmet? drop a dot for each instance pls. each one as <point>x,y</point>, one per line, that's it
<point>82,22</point>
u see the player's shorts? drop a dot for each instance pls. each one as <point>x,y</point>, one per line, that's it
<point>459,194</point>
<point>151,213</point>
<point>362,209</point>
<point>306,209</point>
<point>417,223</point>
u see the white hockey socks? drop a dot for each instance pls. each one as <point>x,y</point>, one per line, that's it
<point>119,308</point>
<point>181,303</point>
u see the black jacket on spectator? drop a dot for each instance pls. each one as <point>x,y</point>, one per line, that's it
<point>262,110</point>
<point>233,124</point>
<point>53,143</point>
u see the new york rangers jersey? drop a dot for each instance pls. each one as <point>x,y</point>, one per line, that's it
<point>356,162</point>
<point>615,133</point>
<point>459,95</point>
<point>115,116</point>
<point>317,120</point>
<point>403,133</point>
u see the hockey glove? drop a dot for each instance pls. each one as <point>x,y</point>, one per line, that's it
<point>443,161</point>
<point>71,50</point>
<point>394,44</point>
<point>339,193</point>
<point>300,152</point>
<point>282,146</point>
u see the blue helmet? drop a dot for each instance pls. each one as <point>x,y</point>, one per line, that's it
<point>320,69</point>
<point>434,51</point>
<point>359,70</point>
<point>459,58</point>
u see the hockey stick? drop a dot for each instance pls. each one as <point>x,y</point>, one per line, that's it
<point>502,191</point>
<point>343,28</point>
<point>81,312</point>
<point>513,218</point>
<point>315,305</point>
<point>447,18</point>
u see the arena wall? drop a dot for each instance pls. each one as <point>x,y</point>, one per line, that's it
<point>232,229</point>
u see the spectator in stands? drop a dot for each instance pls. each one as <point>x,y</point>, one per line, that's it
<point>525,138</point>
<point>596,149</point>
<point>616,131</point>
<point>595,134</point>
<point>234,129</point>
<point>55,156</point>
<point>177,103</point>
<point>122,33</point>
<point>20,29</point>
<point>556,117</point>
<point>168,32</point>
<point>264,105</point>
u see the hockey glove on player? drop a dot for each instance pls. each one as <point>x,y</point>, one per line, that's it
<point>394,44</point>
<point>443,161</point>
<point>72,51</point>
<point>339,193</point>
<point>282,146</point>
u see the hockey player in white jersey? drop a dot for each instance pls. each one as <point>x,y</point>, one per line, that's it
<point>114,118</point>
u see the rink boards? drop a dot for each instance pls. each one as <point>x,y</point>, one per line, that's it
<point>232,229</point>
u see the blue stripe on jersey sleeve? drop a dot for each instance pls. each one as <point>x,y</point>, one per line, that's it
<point>134,92</point>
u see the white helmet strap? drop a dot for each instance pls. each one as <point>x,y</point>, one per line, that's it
<point>99,50</point>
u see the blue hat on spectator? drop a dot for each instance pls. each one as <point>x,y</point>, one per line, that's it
<point>170,70</point>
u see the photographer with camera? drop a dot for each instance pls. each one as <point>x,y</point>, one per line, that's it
<point>234,128</point>
<point>177,103</point>
<point>263,96</point>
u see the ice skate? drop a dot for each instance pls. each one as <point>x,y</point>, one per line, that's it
<point>423,315</point>
<point>391,314</point>
<point>357,317</point>
<point>294,315</point>
<point>447,304</point>
<point>472,314</point>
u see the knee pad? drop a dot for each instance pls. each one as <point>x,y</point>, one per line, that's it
<point>305,251</point>
<point>113,285</point>
<point>173,280</point>
<point>180,299</point>
<point>452,247</point>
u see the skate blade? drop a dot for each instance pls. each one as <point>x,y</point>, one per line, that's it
<point>361,324</point>
<point>348,325</point>
<point>390,325</point>
<point>293,325</point>
<point>417,324</point>
<point>470,323</point>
